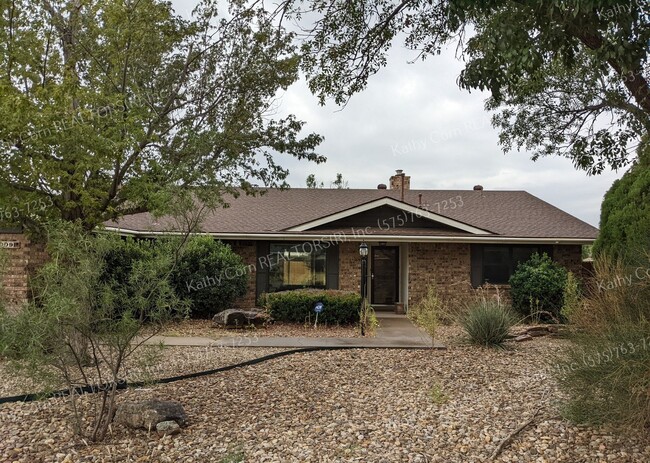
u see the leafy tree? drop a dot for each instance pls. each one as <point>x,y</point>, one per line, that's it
<point>625,214</point>
<point>109,107</point>
<point>313,183</point>
<point>566,78</point>
<point>339,183</point>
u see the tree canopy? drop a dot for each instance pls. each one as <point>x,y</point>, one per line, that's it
<point>111,107</point>
<point>339,184</point>
<point>565,78</point>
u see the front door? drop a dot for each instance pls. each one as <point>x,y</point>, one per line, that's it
<point>384,275</point>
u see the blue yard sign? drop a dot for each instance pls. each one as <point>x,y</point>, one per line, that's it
<point>318,308</point>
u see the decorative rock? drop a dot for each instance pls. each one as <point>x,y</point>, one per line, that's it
<point>168,428</point>
<point>523,337</point>
<point>233,318</point>
<point>148,414</point>
<point>537,329</point>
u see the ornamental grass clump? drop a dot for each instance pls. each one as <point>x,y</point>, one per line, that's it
<point>487,322</point>
<point>605,372</point>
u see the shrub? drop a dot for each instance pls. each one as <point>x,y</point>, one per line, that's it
<point>426,312</point>
<point>77,321</point>
<point>488,323</point>
<point>537,286</point>
<point>340,307</point>
<point>625,213</point>
<point>210,275</point>
<point>606,376</point>
<point>122,259</point>
<point>605,371</point>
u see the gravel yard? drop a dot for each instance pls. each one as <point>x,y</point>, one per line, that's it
<point>352,405</point>
<point>205,329</point>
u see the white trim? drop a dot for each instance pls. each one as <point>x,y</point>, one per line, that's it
<point>386,201</point>
<point>362,237</point>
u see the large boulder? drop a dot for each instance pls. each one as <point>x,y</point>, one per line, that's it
<point>149,413</point>
<point>236,318</point>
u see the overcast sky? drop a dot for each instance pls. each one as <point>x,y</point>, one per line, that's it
<point>414,117</point>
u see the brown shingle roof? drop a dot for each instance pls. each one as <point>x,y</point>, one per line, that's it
<point>516,214</point>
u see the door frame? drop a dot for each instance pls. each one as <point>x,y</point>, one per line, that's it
<point>397,272</point>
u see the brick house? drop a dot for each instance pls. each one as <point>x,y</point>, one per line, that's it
<point>461,239</point>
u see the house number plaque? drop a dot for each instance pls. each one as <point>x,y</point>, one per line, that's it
<point>9,244</point>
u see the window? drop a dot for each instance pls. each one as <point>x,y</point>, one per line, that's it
<point>294,266</point>
<point>496,264</point>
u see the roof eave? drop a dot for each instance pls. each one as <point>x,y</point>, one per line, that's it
<point>342,237</point>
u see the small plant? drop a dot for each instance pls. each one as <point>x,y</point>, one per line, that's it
<point>572,297</point>
<point>235,456</point>
<point>426,312</point>
<point>539,280</point>
<point>368,322</point>
<point>437,394</point>
<point>488,323</point>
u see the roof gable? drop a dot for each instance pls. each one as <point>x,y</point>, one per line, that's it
<point>405,213</point>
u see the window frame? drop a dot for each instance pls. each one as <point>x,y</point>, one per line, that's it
<point>294,247</point>
<point>478,258</point>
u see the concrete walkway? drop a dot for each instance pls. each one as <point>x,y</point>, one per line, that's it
<point>395,331</point>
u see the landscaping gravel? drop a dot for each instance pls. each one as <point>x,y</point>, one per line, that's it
<point>343,406</point>
<point>206,329</point>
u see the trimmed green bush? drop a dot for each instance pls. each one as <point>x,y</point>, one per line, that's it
<point>488,323</point>
<point>538,286</point>
<point>297,306</point>
<point>625,213</point>
<point>121,259</point>
<point>210,275</point>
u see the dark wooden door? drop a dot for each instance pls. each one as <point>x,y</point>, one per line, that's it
<point>384,275</point>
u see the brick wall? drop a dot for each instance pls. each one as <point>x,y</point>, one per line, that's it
<point>570,257</point>
<point>248,252</point>
<point>22,262</point>
<point>349,267</point>
<point>448,264</point>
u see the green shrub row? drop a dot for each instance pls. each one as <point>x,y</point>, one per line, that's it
<point>339,307</point>
<point>207,273</point>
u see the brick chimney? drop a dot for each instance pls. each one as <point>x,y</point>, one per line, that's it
<point>398,179</point>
